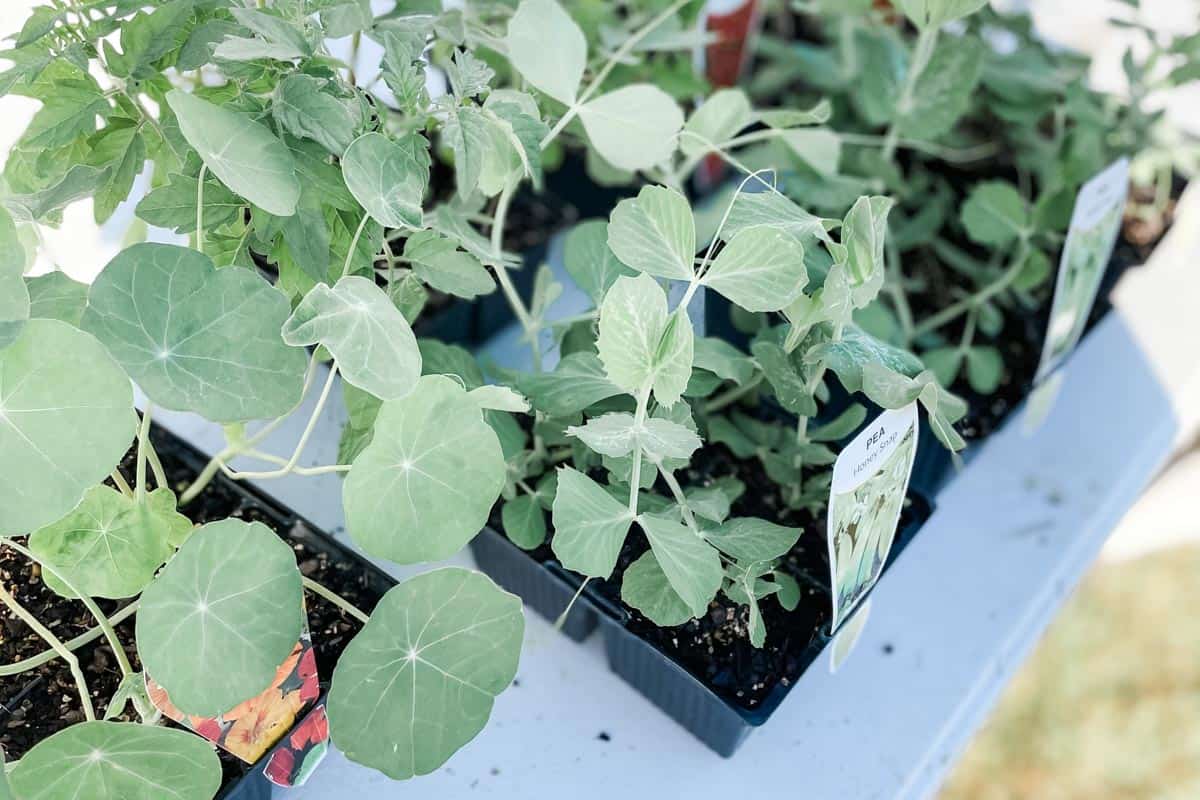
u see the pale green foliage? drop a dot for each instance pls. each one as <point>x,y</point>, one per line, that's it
<point>194,337</point>
<point>418,681</point>
<point>547,48</point>
<point>995,214</point>
<point>752,539</point>
<point>388,177</point>
<point>425,484</point>
<point>135,762</point>
<point>221,617</point>
<point>634,127</point>
<point>56,296</point>
<point>14,296</point>
<point>691,566</point>
<point>654,233</point>
<point>372,342</point>
<point>645,587</point>
<point>591,262</point>
<point>640,344</point>
<point>589,525</point>
<point>760,269</point>
<point>718,119</point>
<point>66,419</point>
<point>245,155</point>
<point>933,13</point>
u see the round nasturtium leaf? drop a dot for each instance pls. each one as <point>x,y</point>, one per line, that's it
<point>194,337</point>
<point>107,546</point>
<point>66,419</point>
<point>221,617</point>
<point>426,483</point>
<point>118,761</point>
<point>417,683</point>
<point>388,177</point>
<point>356,322</point>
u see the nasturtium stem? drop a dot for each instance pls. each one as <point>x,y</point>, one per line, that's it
<point>85,697</point>
<point>143,436</point>
<point>336,599</point>
<point>160,475</point>
<point>101,619</point>
<point>926,41</point>
<point>88,636</point>
<point>200,207</point>
<point>354,244</point>
<point>121,483</point>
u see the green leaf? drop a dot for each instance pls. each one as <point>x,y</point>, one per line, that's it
<point>438,261</point>
<point>790,387</point>
<point>577,382</point>
<point>70,111</point>
<point>231,597</point>
<point>524,522</point>
<point>719,118</point>
<point>305,106</point>
<point>590,261</point>
<point>863,233</point>
<point>470,135</point>
<point>546,46</point>
<point>753,539</point>
<point>244,154</point>
<point>56,296</point>
<point>654,233</point>
<point>367,335</point>
<point>66,420</point>
<point>994,213</point>
<point>633,317</point>
<point>499,398</point>
<point>80,181</point>
<point>449,359</point>
<point>108,546</point>
<point>388,177</point>
<point>944,88</point>
<point>196,338</point>
<point>645,587</point>
<point>118,761</point>
<point>426,483</point>
<point>789,591</point>
<point>615,435</point>
<point>944,362</point>
<point>418,681</point>
<point>857,349</point>
<point>634,127</point>
<point>147,37</point>
<point>935,13</point>
<point>277,38</point>
<point>14,295</point>
<point>123,151</point>
<point>985,368</point>
<point>771,208</point>
<point>590,525</point>
<point>761,269</point>
<point>173,205</point>
<point>819,148</point>
<point>692,566</point>
<point>723,360</point>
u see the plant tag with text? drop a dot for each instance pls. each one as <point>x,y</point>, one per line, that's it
<point>1095,223</point>
<point>870,479</point>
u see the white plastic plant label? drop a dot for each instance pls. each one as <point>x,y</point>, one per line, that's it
<point>1095,223</point>
<point>870,479</point>
<point>847,636</point>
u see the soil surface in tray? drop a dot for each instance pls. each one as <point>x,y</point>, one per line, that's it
<point>716,647</point>
<point>40,702</point>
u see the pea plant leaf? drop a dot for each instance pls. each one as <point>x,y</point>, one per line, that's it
<point>66,419</point>
<point>244,154</point>
<point>577,382</point>
<point>590,261</point>
<point>640,343</point>
<point>418,681</point>
<point>547,48</point>
<point>935,13</point>
<point>426,483</point>
<point>123,760</point>
<point>437,260</point>
<point>718,119</point>
<point>524,522</point>
<point>107,546</point>
<point>760,269</point>
<point>634,127</point>
<point>994,214</point>
<point>590,525</point>
<point>14,296</point>
<point>863,233</point>
<point>855,351</point>
<point>208,607</point>
<point>654,233</point>
<point>644,586</point>
<point>944,88</point>
<point>751,539</point>
<point>367,335</point>
<point>692,566</point>
<point>194,337</point>
<point>388,177</point>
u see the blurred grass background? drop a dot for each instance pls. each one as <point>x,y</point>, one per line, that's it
<point>1108,707</point>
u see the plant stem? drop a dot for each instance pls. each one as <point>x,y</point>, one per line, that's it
<point>101,620</point>
<point>143,435</point>
<point>921,55</point>
<point>336,599</point>
<point>680,498</point>
<point>90,635</point>
<point>635,474</point>
<point>160,475</point>
<point>85,697</point>
<point>733,395</point>
<point>121,483</point>
<point>531,326</point>
<point>354,245</point>
<point>955,310</point>
<point>200,207</point>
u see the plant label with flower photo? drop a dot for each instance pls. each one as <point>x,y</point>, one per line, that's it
<point>1095,223</point>
<point>870,479</point>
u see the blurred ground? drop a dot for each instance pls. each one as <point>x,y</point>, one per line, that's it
<point>1108,707</point>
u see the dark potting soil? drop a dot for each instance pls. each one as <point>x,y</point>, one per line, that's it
<point>716,647</point>
<point>42,701</point>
